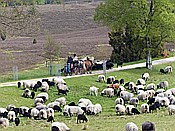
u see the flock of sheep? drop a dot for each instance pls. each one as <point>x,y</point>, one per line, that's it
<point>128,95</point>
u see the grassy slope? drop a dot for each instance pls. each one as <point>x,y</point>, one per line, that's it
<point>107,120</point>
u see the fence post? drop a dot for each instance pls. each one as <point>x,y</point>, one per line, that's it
<point>104,68</point>
<point>15,72</point>
<point>58,70</point>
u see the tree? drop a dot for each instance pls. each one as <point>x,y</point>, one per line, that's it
<point>137,26</point>
<point>18,17</point>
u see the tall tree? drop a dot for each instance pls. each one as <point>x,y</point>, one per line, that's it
<point>18,17</point>
<point>137,26</point>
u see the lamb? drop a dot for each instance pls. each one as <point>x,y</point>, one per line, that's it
<point>131,127</point>
<point>44,96</point>
<point>120,109</point>
<point>4,122</point>
<point>59,126</point>
<point>81,117</point>
<point>61,100</point>
<point>144,108</point>
<point>145,76</point>
<point>11,116</point>
<point>119,101</point>
<point>163,85</point>
<point>134,101</point>
<point>93,90</point>
<point>101,78</point>
<point>108,91</point>
<point>26,93</point>
<point>148,126</point>
<point>171,109</point>
<point>129,109</point>
<point>17,121</point>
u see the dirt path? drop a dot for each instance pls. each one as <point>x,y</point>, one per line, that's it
<point>156,62</point>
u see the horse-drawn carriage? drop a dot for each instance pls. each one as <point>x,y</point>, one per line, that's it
<point>80,67</point>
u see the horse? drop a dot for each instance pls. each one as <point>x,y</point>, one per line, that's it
<point>87,65</point>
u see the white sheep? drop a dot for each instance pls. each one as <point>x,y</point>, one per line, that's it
<point>44,86</point>
<point>120,109</point>
<point>85,101</point>
<point>151,86</point>
<point>10,107</point>
<point>127,96</point>
<point>40,106</point>
<point>119,101</point>
<point>129,109</point>
<point>43,95</point>
<point>131,127</point>
<point>61,100</point>
<point>43,114</point>
<point>50,112</point>
<point>150,93</point>
<point>59,126</point>
<point>134,101</point>
<point>144,108</point>
<point>101,78</point>
<point>163,85</point>
<point>145,76</point>
<point>34,113</point>
<point>108,92</point>
<point>97,109</point>
<point>93,90</point>
<point>141,81</point>
<point>28,84</point>
<point>138,87</point>
<point>59,80</point>
<point>142,96</point>
<point>173,91</point>
<point>167,93</point>
<point>171,109</point>
<point>2,110</point>
<point>71,110</point>
<point>164,101</point>
<point>90,108</point>
<point>26,93</point>
<point>172,100</point>
<point>52,104</point>
<point>11,116</point>
<point>168,69</point>
<point>38,100</point>
<point>4,122</point>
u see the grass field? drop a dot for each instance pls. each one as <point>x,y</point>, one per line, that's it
<point>107,120</point>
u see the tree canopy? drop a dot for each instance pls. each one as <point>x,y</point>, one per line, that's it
<point>136,25</point>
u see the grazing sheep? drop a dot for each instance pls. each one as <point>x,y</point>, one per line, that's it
<point>26,93</point>
<point>119,101</point>
<point>151,101</point>
<point>59,80</point>
<point>145,76</point>
<point>141,81</point>
<point>41,106</point>
<point>163,85</point>
<point>4,122</point>
<point>173,91</point>
<point>134,111</point>
<point>120,109</point>
<point>50,112</point>
<point>10,107</point>
<point>43,114</point>
<point>108,92</point>
<point>57,108</point>
<point>154,107</point>
<point>17,121</point>
<point>101,78</point>
<point>127,96</point>
<point>148,126</point>
<point>134,101</point>
<point>43,95</point>
<point>23,110</point>
<point>131,127</point>
<point>168,69</point>
<point>150,93</point>
<point>162,71</point>
<point>172,100</point>
<point>131,86</point>
<point>62,89</point>
<point>93,90</point>
<point>81,117</point>
<point>144,108</point>
<point>139,87</point>
<point>171,109</point>
<point>74,110</point>
<point>164,101</point>
<point>45,86</point>
<point>110,79</point>
<point>97,109</point>
<point>28,84</point>
<point>59,126</point>
<point>34,113</point>
<point>129,109</point>
<point>38,100</point>
<point>52,104</point>
<point>85,101</point>
<point>151,86</point>
<point>61,100</point>
<point>11,116</point>
<point>50,119</point>
<point>90,109</point>
<point>142,96</point>
<point>167,93</point>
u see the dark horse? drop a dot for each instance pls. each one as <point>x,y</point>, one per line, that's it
<point>87,66</point>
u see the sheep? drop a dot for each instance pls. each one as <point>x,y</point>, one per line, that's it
<point>127,96</point>
<point>142,96</point>
<point>128,109</point>
<point>173,91</point>
<point>23,110</point>
<point>120,109</point>
<point>61,100</point>
<point>154,106</point>
<point>83,106</point>
<point>93,90</point>
<point>163,85</point>
<point>59,126</point>
<point>122,93</point>
<point>34,113</point>
<point>43,95</point>
<point>4,122</point>
<point>90,109</point>
<point>57,108</point>
<point>110,79</point>
<point>17,121</point>
<point>62,89</point>
<point>45,86</point>
<point>167,93</point>
<point>148,126</point>
<point>164,101</point>
<point>41,106</point>
<point>119,101</point>
<point>50,119</point>
<point>50,112</point>
<point>28,84</point>
<point>10,107</point>
<point>97,109</point>
<point>162,71</point>
<point>81,117</point>
<point>134,111</point>
<point>134,101</point>
<point>59,80</point>
<point>38,100</point>
<point>85,101</point>
<point>131,127</point>
<point>122,81</point>
<point>160,90</point>
<point>138,87</point>
<point>144,108</point>
<point>70,110</point>
<point>145,76</point>
<point>101,78</point>
<point>131,86</point>
<point>19,84</point>
<point>151,86</point>
<point>26,93</point>
<point>11,116</point>
<point>141,81</point>
<point>171,109</point>
<point>172,100</point>
<point>43,114</point>
<point>168,69</point>
<point>2,110</point>
<point>151,101</point>
<point>108,91</point>
<point>150,93</point>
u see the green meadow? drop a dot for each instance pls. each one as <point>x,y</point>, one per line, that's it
<point>79,88</point>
